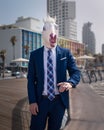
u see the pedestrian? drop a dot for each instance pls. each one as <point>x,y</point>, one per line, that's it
<point>48,86</point>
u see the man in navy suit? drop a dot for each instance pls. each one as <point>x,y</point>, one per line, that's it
<point>41,107</point>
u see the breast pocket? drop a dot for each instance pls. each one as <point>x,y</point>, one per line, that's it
<point>63,63</point>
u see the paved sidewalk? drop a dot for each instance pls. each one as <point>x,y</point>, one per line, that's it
<point>87,109</point>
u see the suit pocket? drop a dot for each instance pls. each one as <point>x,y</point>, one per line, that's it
<point>63,64</point>
<point>64,58</point>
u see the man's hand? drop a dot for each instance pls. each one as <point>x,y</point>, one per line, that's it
<point>64,86</point>
<point>34,108</point>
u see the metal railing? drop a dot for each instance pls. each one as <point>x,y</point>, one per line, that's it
<point>92,75</point>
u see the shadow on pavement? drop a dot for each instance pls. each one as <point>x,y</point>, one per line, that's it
<point>20,117</point>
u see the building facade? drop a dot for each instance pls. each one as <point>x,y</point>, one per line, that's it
<point>65,12</point>
<point>29,23</point>
<point>88,38</point>
<point>76,48</point>
<point>26,39</point>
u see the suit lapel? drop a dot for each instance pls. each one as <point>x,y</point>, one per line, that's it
<point>41,61</point>
<point>58,57</point>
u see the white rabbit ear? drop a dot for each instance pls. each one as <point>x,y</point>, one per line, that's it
<point>49,19</point>
<point>46,18</point>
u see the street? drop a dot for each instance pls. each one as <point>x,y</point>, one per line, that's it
<point>86,106</point>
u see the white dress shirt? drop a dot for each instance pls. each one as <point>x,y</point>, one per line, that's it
<point>54,70</point>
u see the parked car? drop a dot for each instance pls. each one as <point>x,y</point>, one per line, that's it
<point>16,73</point>
<point>7,71</point>
<point>19,74</point>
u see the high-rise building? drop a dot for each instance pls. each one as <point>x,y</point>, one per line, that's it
<point>88,38</point>
<point>103,49</point>
<point>65,12</point>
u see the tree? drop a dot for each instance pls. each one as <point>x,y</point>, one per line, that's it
<point>78,51</point>
<point>2,55</point>
<point>26,47</point>
<point>13,41</point>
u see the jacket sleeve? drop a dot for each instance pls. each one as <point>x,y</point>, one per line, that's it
<point>31,80</point>
<point>74,72</point>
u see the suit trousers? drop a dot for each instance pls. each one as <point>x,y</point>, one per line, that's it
<point>50,112</point>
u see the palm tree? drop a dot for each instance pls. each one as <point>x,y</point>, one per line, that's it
<point>26,47</point>
<point>78,50</point>
<point>13,41</point>
<point>2,55</point>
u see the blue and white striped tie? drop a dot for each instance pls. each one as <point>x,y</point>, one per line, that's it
<point>50,76</point>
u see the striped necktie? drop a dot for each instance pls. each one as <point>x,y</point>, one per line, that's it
<point>50,76</point>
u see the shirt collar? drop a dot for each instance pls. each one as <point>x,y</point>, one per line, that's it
<point>53,49</point>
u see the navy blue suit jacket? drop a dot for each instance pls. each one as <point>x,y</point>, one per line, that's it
<point>64,62</point>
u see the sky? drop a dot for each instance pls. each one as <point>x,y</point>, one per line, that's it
<point>86,11</point>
